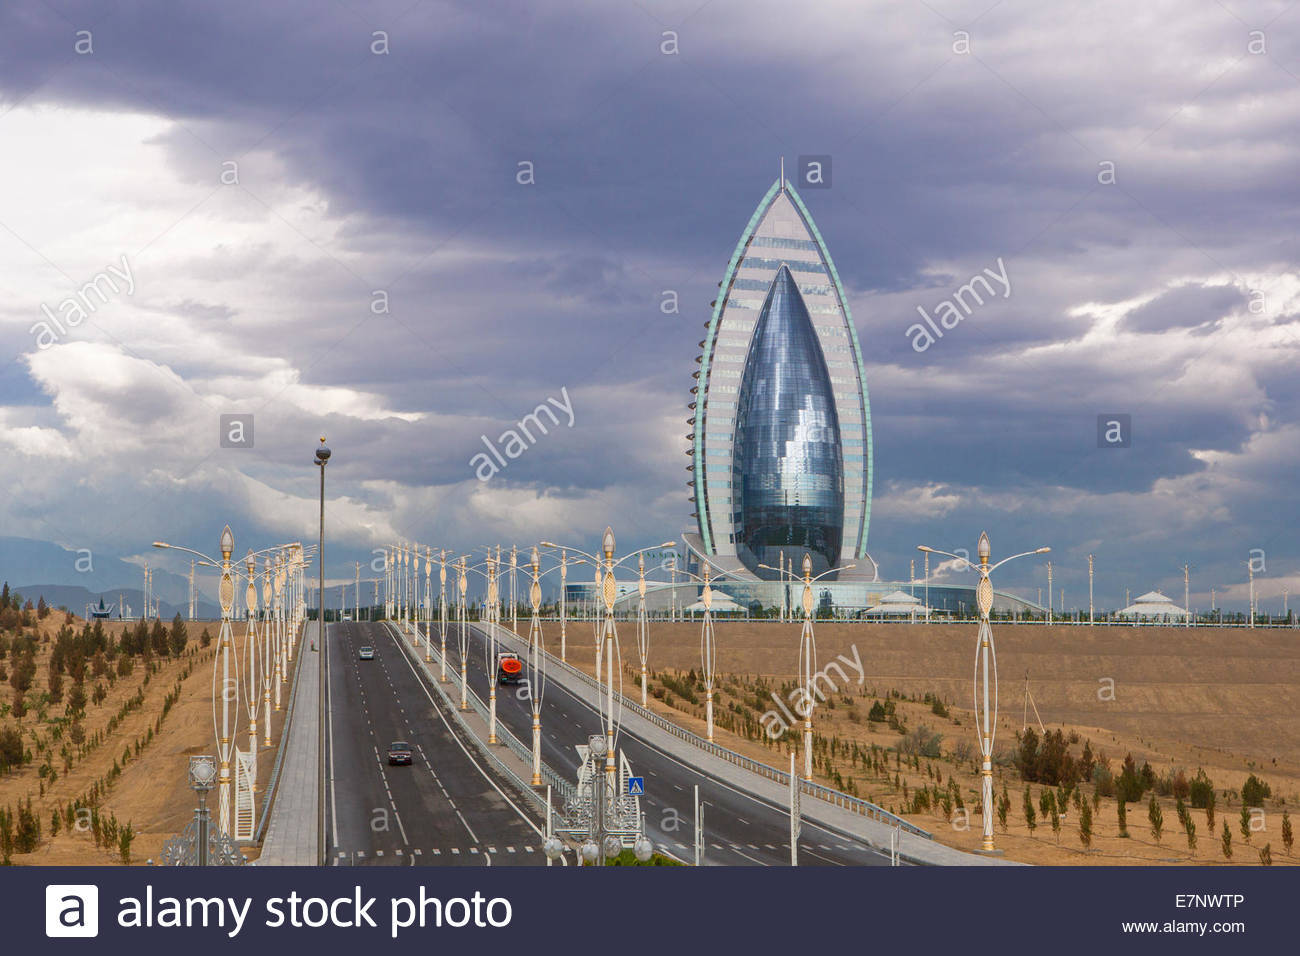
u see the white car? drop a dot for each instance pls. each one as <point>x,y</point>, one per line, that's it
<point>366,653</point>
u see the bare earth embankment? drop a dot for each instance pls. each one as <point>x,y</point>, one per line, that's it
<point>124,755</point>
<point>1222,700</point>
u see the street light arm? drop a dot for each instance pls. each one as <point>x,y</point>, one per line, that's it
<point>949,554</point>
<point>1022,554</point>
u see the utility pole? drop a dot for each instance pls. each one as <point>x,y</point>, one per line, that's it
<point>1187,597</point>
<point>1250,565</point>
<point>1091,619</point>
<point>1049,593</point>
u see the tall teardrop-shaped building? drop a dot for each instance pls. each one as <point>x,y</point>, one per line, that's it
<point>787,471</point>
<point>780,370</point>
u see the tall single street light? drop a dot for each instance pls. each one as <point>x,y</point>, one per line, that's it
<point>226,661</point>
<point>442,611</point>
<point>536,665</point>
<point>607,594</point>
<point>1091,620</point>
<point>986,671</point>
<point>322,459</point>
<point>462,587</point>
<point>808,656</point>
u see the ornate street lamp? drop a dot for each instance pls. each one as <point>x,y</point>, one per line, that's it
<point>442,610</point>
<point>224,729</point>
<point>986,671</point>
<point>428,600</point>
<point>642,625</point>
<point>808,656</point>
<point>708,650</point>
<point>463,586</point>
<point>490,646</point>
<point>536,667</point>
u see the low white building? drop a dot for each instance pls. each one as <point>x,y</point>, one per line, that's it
<point>1153,606</point>
<point>897,604</point>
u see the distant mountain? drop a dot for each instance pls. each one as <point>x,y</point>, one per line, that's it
<point>31,566</point>
<point>75,600</point>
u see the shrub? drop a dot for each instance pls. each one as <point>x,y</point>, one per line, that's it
<point>1200,791</point>
<point>1255,791</point>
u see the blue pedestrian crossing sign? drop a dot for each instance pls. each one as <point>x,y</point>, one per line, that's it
<point>636,786</point>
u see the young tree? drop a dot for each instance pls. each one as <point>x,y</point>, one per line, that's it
<point>1121,811</point>
<point>178,637</point>
<point>1190,826</point>
<point>1004,808</point>
<point>76,701</point>
<point>1031,820</point>
<point>1157,818</point>
<point>1209,809</point>
<point>1266,855</point>
<point>1287,836</point>
<point>1244,822</point>
<point>1227,841</point>
<point>1054,812</point>
<point>1085,824</point>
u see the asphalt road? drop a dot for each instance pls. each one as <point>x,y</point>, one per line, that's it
<point>446,809</point>
<point>739,829</point>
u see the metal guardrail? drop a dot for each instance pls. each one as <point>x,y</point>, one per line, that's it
<point>560,787</point>
<point>829,795</point>
<point>268,798</point>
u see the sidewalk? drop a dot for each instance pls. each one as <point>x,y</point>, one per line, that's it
<point>292,834</point>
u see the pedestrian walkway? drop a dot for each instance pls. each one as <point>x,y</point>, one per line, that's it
<point>292,836</point>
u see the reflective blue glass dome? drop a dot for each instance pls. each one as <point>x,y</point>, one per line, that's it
<point>788,469</point>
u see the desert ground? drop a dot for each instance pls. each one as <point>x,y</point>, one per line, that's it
<point>1222,700</point>
<point>130,764</point>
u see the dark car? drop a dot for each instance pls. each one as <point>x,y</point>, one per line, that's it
<point>399,752</point>
<point>366,654</point>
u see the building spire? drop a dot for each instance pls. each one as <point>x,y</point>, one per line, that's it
<point>783,174</point>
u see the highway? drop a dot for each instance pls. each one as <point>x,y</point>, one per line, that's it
<point>739,829</point>
<point>446,809</point>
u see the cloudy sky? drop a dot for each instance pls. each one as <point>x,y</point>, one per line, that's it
<point>404,225</point>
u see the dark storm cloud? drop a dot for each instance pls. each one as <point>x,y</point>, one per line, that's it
<point>645,168</point>
<point>1194,307</point>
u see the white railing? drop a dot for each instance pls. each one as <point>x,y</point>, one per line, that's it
<point>828,794</point>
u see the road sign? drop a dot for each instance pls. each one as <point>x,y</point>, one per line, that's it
<point>636,786</point>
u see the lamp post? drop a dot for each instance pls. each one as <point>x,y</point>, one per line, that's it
<point>606,633</point>
<point>514,590</point>
<point>708,650</point>
<point>462,586</point>
<point>598,815</point>
<point>322,458</point>
<point>428,603</point>
<point>642,625</point>
<point>986,673</point>
<point>1091,619</point>
<point>250,659</point>
<point>564,580</point>
<point>1049,592</point>
<point>1250,568</point>
<point>223,726</point>
<point>536,667</point>
<point>490,646</point>
<point>808,655</point>
<point>442,611</point>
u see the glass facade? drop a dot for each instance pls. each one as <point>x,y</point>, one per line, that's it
<point>780,236</point>
<point>787,463</point>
